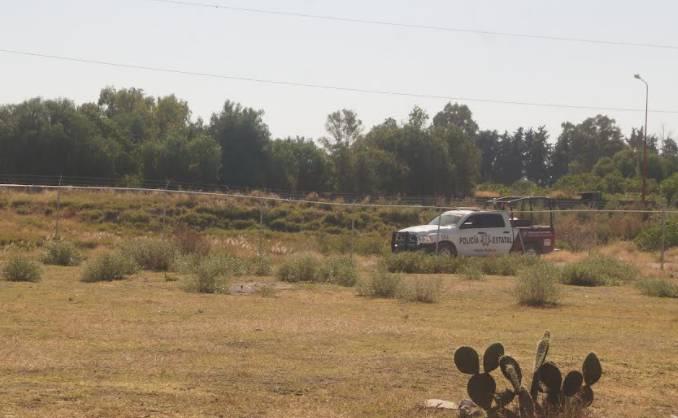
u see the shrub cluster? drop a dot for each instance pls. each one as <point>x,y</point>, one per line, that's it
<point>299,268</point>
<point>209,275</point>
<point>650,238</point>
<point>61,253</point>
<point>150,253</point>
<point>660,288</point>
<point>380,284</point>
<point>338,270</point>
<point>421,263</point>
<point>19,268</point>
<point>108,267</point>
<point>189,241</point>
<point>538,285</point>
<point>423,290</point>
<point>598,270</point>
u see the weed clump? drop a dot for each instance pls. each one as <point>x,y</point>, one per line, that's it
<point>301,268</point>
<point>423,290</point>
<point>381,284</point>
<point>61,253</point>
<point>108,267</point>
<point>260,266</point>
<point>598,270</point>
<point>209,275</point>
<point>421,263</point>
<point>471,271</point>
<point>151,254</point>
<point>21,269</point>
<point>189,241</point>
<point>659,288</point>
<point>538,285</point>
<point>339,270</point>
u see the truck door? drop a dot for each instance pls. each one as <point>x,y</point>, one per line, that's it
<point>485,234</point>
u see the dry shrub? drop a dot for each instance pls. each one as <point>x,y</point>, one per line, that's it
<point>151,254</point>
<point>660,288</point>
<point>190,241</point>
<point>61,253</point>
<point>576,233</point>
<point>339,270</point>
<point>19,268</point>
<point>299,268</point>
<point>538,285</point>
<point>380,284</point>
<point>423,290</point>
<point>598,270</point>
<point>108,267</point>
<point>209,275</point>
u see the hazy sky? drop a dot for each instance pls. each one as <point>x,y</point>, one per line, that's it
<point>354,55</point>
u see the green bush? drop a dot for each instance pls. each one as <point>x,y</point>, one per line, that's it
<point>260,266</point>
<point>421,263</point>
<point>108,267</point>
<point>598,270</point>
<point>381,284</point>
<point>189,241</point>
<point>471,270</point>
<point>423,290</point>
<point>506,265</point>
<point>339,270</point>
<point>538,285</point>
<point>209,275</point>
<point>300,268</point>
<point>658,288</point>
<point>21,269</point>
<point>151,254</point>
<point>61,253</point>
<point>650,237</point>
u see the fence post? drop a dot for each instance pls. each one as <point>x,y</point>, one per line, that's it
<point>164,208</point>
<point>663,239</point>
<point>440,219</point>
<point>58,210</point>
<point>352,232</point>
<point>261,231</point>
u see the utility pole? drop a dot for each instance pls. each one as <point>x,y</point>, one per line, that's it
<point>647,102</point>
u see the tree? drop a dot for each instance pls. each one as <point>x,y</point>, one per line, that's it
<point>459,116</point>
<point>487,142</point>
<point>669,188</point>
<point>344,127</point>
<point>244,140</point>
<point>537,156</point>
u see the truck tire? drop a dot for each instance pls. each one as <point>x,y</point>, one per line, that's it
<point>447,249</point>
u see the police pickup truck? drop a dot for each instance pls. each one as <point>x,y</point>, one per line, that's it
<point>475,232</point>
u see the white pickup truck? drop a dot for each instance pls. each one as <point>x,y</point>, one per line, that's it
<point>472,232</point>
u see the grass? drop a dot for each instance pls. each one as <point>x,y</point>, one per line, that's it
<point>599,270</point>
<point>19,268</point>
<point>338,270</point>
<point>660,288</point>
<point>108,267</point>
<point>300,268</point>
<point>61,253</point>
<point>538,286</point>
<point>421,289</point>
<point>209,275</point>
<point>153,254</point>
<point>146,347</point>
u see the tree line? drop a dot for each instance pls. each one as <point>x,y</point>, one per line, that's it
<point>129,135</point>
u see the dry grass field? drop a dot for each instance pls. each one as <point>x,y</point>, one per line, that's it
<point>145,347</point>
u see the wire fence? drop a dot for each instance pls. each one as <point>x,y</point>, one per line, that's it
<point>265,203</point>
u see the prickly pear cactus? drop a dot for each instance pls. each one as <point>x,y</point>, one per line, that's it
<point>550,394</point>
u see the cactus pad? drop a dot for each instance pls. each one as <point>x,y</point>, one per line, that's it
<point>572,383</point>
<point>585,396</point>
<point>511,370</point>
<point>526,404</point>
<point>506,397</point>
<point>467,361</point>
<point>492,356</point>
<point>481,389</point>
<point>542,350</point>
<point>592,369</point>
<point>550,377</point>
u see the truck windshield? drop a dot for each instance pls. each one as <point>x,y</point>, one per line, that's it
<point>446,220</point>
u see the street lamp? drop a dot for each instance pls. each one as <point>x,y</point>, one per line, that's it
<point>647,101</point>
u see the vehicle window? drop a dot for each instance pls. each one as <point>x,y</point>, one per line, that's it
<point>446,220</point>
<point>491,221</point>
<point>484,221</point>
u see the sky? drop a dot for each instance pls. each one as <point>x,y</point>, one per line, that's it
<point>362,56</point>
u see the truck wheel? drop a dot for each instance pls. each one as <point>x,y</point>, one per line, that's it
<point>446,249</point>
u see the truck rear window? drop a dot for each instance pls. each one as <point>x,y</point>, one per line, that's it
<point>485,221</point>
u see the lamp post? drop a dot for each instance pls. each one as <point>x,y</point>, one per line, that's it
<point>647,101</point>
